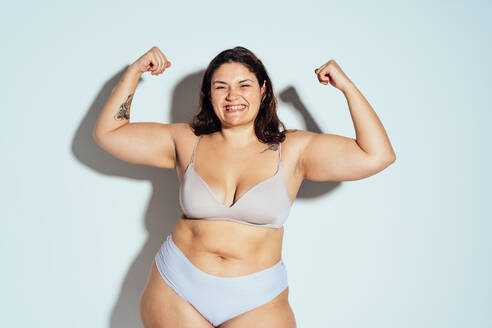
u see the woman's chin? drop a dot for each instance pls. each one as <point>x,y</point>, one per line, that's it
<point>232,121</point>
<point>234,118</point>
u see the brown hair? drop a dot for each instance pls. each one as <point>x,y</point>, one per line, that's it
<point>267,123</point>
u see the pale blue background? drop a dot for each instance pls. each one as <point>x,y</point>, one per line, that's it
<point>408,247</point>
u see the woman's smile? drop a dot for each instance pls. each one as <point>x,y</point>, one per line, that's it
<point>235,108</point>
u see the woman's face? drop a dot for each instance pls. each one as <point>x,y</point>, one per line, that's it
<point>234,84</point>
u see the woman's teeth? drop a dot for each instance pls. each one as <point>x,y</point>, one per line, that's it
<point>235,108</point>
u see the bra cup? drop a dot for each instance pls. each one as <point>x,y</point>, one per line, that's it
<point>265,204</point>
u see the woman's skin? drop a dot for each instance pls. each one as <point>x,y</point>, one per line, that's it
<point>231,162</point>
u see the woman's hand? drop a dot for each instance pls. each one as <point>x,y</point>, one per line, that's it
<point>332,73</point>
<point>153,60</point>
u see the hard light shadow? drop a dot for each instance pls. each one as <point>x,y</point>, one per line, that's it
<point>163,206</point>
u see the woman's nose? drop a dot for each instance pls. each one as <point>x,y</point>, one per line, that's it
<point>232,94</point>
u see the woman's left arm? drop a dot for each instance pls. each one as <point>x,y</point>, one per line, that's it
<point>330,157</point>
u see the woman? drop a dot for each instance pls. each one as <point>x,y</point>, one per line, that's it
<point>239,174</point>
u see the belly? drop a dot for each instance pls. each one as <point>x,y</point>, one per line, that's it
<point>228,249</point>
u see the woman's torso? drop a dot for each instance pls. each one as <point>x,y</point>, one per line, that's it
<point>225,248</point>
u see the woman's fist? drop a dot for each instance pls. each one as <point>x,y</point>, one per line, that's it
<point>153,61</point>
<point>332,73</point>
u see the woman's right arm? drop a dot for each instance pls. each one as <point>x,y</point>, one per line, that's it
<point>139,143</point>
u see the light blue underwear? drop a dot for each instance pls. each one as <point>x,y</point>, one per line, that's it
<point>218,299</point>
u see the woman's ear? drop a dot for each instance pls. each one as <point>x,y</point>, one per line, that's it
<point>263,90</point>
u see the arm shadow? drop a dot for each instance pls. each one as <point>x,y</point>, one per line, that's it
<point>309,189</point>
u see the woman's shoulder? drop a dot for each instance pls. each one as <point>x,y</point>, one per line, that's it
<point>294,144</point>
<point>183,135</point>
<point>297,138</point>
<point>183,130</point>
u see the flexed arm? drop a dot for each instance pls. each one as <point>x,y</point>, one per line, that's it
<point>116,112</point>
<point>139,143</point>
<point>330,157</point>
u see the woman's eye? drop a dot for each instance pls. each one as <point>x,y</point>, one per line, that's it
<point>244,85</point>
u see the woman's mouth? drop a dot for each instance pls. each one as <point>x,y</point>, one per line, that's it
<point>235,108</point>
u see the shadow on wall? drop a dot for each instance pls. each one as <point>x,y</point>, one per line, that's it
<point>163,207</point>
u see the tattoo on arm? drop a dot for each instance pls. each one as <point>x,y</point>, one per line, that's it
<point>124,111</point>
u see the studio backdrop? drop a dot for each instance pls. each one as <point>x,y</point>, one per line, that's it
<point>407,247</point>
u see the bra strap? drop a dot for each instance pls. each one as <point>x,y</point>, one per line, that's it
<point>194,149</point>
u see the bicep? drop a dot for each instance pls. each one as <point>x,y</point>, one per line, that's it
<point>331,157</point>
<point>146,143</point>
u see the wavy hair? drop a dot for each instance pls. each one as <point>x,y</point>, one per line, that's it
<point>267,123</point>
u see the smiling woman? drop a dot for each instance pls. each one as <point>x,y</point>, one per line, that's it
<point>239,170</point>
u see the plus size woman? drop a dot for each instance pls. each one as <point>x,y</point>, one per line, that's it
<point>239,172</point>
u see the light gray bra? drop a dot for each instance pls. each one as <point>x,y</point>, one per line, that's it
<point>266,204</point>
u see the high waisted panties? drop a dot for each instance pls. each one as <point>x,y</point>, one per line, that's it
<point>218,299</point>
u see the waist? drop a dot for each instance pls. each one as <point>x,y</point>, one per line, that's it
<point>224,247</point>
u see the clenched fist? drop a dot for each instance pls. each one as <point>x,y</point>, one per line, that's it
<point>332,73</point>
<point>153,60</point>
